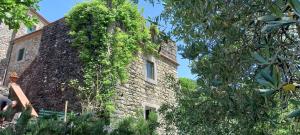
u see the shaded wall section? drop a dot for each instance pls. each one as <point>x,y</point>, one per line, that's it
<point>45,82</point>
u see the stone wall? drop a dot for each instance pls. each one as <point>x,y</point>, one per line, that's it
<point>169,50</point>
<point>7,35</point>
<point>45,80</point>
<point>23,29</point>
<point>138,92</point>
<point>5,38</point>
<point>31,44</point>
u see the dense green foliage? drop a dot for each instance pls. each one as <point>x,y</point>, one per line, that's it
<point>137,126</point>
<point>206,111</point>
<point>109,36</point>
<point>86,124</point>
<point>246,55</point>
<point>15,12</point>
<point>187,84</point>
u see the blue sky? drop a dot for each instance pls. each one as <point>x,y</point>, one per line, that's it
<point>56,9</point>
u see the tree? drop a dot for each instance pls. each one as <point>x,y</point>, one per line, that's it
<point>15,12</point>
<point>245,54</point>
<point>187,84</point>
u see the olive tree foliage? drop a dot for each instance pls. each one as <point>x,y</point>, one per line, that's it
<point>246,56</point>
<point>15,12</point>
<point>212,111</point>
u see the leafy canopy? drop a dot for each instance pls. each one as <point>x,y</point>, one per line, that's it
<point>245,54</point>
<point>187,84</point>
<point>15,12</point>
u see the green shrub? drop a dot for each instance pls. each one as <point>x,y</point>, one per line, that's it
<point>137,126</point>
<point>86,124</point>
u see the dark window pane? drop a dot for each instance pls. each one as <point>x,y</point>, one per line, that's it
<point>21,54</point>
<point>147,113</point>
<point>148,110</point>
<point>150,70</point>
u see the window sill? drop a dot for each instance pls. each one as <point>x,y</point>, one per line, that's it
<point>20,61</point>
<point>151,81</point>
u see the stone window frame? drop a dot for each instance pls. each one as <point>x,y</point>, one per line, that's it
<point>153,60</point>
<point>150,70</point>
<point>24,54</point>
<point>148,105</point>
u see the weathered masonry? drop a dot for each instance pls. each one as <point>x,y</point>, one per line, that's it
<point>46,63</point>
<point>7,35</point>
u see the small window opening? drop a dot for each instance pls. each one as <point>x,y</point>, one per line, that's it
<point>150,70</point>
<point>21,54</point>
<point>148,110</point>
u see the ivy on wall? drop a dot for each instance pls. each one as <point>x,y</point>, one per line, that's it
<point>108,35</point>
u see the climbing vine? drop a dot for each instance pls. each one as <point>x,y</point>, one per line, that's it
<point>108,35</point>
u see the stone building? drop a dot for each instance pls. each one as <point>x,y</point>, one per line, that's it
<point>7,35</point>
<point>49,63</point>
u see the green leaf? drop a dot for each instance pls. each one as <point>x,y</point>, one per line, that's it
<point>295,102</point>
<point>259,58</point>
<point>284,21</point>
<point>276,10</point>
<point>276,76</point>
<point>267,18</point>
<point>269,77</point>
<point>275,25</point>
<point>265,73</point>
<point>266,92</point>
<point>286,18</point>
<point>264,82</point>
<point>295,4</point>
<point>270,28</point>
<point>295,113</point>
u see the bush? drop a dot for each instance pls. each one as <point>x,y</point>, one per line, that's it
<point>137,126</point>
<point>86,124</point>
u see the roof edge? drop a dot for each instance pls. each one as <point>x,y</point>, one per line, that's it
<point>24,37</point>
<point>39,16</point>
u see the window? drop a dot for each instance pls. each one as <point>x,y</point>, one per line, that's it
<point>31,29</point>
<point>150,70</point>
<point>21,54</point>
<point>148,110</point>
